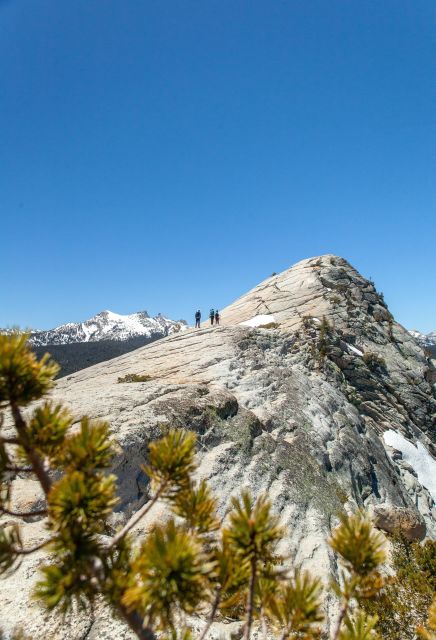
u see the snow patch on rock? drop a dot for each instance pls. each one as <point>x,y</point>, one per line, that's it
<point>258,321</point>
<point>354,349</point>
<point>418,457</point>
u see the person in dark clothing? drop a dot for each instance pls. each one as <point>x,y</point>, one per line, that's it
<point>217,317</point>
<point>212,316</point>
<point>197,319</point>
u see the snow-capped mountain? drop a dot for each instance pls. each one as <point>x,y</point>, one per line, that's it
<point>77,345</point>
<point>424,339</point>
<point>107,325</point>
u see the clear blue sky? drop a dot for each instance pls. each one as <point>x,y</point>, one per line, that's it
<point>170,155</point>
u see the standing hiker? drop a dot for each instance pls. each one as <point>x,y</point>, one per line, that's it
<point>217,317</point>
<point>212,316</point>
<point>197,319</point>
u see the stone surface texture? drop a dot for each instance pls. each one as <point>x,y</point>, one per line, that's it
<point>296,410</point>
<point>408,522</point>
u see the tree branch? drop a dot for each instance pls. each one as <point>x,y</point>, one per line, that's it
<point>9,440</point>
<point>26,514</point>
<point>17,469</point>
<point>25,552</point>
<point>343,611</point>
<point>137,516</point>
<point>34,459</point>
<point>250,600</point>
<point>136,623</point>
<point>212,614</point>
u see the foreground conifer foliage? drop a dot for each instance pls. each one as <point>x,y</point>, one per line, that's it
<point>190,565</point>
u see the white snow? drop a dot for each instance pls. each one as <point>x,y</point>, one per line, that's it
<point>108,325</point>
<point>354,349</point>
<point>416,334</point>
<point>257,321</point>
<point>85,331</point>
<point>426,340</point>
<point>418,457</point>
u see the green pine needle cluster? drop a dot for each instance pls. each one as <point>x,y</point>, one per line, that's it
<point>296,609</point>
<point>360,627</point>
<point>362,551</point>
<point>197,506</point>
<point>190,564</point>
<point>47,429</point>
<point>361,548</point>
<point>22,378</point>
<point>171,462</point>
<point>169,575</point>
<point>10,546</point>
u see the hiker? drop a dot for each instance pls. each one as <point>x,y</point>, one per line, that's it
<point>197,319</point>
<point>217,317</point>
<point>212,316</point>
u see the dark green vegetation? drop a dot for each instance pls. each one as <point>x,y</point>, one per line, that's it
<point>373,360</point>
<point>79,355</point>
<point>190,563</point>
<point>403,603</point>
<point>135,377</point>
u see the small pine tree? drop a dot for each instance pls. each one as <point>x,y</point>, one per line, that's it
<point>323,342</point>
<point>404,600</point>
<point>362,551</point>
<point>189,564</point>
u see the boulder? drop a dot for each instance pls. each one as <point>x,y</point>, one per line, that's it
<point>402,520</point>
<point>26,496</point>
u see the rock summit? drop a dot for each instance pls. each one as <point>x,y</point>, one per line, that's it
<point>292,395</point>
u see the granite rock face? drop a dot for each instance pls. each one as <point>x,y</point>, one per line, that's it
<point>296,408</point>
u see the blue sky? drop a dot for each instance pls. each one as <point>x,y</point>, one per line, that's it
<point>170,155</point>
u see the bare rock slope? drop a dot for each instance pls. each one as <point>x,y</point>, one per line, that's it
<point>301,408</point>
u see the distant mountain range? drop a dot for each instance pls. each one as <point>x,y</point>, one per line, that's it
<point>427,340</point>
<point>107,325</point>
<point>77,345</point>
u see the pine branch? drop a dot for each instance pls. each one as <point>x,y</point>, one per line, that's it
<point>26,514</point>
<point>136,623</point>
<point>212,614</point>
<point>342,614</point>
<point>9,440</point>
<point>25,552</point>
<point>250,600</point>
<point>17,469</point>
<point>35,460</point>
<point>137,516</point>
